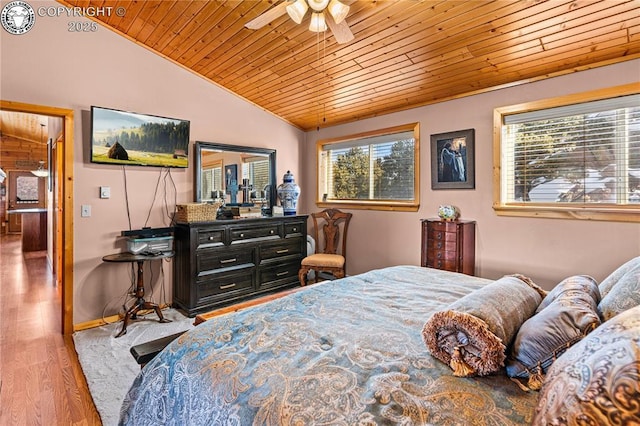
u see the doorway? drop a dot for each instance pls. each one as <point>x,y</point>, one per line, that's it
<point>61,181</point>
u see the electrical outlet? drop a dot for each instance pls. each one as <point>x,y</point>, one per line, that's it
<point>105,192</point>
<point>85,210</point>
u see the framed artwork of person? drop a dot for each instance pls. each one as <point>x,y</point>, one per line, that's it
<point>452,160</point>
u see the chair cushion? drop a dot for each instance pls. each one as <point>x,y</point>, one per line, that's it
<point>326,260</point>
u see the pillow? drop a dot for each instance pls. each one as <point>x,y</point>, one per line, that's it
<point>625,294</point>
<point>597,381</point>
<point>472,333</point>
<point>575,285</point>
<point>546,335</point>
<point>607,284</point>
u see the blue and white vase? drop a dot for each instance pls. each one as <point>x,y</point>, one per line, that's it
<point>288,193</point>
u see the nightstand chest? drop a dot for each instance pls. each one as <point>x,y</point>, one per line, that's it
<point>449,245</point>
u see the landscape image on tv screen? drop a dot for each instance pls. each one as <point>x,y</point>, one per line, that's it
<point>120,137</point>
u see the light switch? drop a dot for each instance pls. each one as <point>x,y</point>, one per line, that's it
<point>85,210</point>
<point>105,192</point>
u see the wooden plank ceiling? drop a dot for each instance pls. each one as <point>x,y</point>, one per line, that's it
<point>405,53</point>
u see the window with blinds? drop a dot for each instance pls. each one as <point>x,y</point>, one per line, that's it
<point>583,155</point>
<point>256,169</point>
<point>376,170</point>
<point>211,182</point>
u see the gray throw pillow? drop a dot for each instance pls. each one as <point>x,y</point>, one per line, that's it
<point>625,294</point>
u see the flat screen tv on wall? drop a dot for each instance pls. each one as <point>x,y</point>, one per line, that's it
<point>128,138</point>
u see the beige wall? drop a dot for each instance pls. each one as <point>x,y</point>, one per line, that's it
<point>51,66</point>
<point>548,250</point>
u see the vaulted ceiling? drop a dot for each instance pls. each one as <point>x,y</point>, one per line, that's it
<point>405,53</point>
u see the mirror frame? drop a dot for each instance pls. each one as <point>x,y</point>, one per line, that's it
<point>200,146</point>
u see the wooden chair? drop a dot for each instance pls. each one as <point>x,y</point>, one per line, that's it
<point>334,225</point>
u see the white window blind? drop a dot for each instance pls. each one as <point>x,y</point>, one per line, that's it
<point>211,181</point>
<point>581,154</point>
<point>256,169</point>
<point>377,168</point>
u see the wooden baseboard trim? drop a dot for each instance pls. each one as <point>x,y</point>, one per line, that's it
<point>110,319</point>
<point>243,305</point>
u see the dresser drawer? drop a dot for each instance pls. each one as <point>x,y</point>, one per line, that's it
<point>444,244</point>
<point>244,233</point>
<point>280,249</point>
<point>443,226</point>
<point>210,237</point>
<point>216,258</point>
<point>220,285</point>
<point>293,229</point>
<point>436,235</point>
<point>447,265</point>
<point>276,275</point>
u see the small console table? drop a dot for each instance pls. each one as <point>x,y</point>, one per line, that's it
<point>139,303</point>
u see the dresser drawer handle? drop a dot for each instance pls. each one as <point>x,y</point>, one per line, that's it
<point>271,232</point>
<point>439,264</point>
<point>439,235</point>
<point>439,255</point>
<point>295,229</point>
<point>211,238</point>
<point>228,261</point>
<point>224,287</point>
<point>439,245</point>
<point>281,274</point>
<point>282,251</point>
<point>241,235</point>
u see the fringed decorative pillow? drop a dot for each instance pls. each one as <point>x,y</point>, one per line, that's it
<point>471,335</point>
<point>569,313</point>
<point>597,381</point>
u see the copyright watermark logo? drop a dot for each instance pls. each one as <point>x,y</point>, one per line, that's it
<point>17,17</point>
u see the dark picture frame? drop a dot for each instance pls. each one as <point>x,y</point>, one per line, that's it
<point>230,176</point>
<point>453,160</point>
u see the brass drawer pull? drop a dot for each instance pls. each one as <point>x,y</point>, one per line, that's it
<point>224,287</point>
<point>228,261</point>
<point>282,251</point>
<point>280,274</point>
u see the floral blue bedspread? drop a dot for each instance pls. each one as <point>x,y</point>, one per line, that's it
<point>343,352</point>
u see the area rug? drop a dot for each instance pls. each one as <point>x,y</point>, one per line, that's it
<point>107,363</point>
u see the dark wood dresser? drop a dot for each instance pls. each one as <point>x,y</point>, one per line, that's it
<point>450,246</point>
<point>222,262</point>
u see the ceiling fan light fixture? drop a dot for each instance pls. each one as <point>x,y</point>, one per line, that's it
<point>318,5</point>
<point>338,10</point>
<point>318,23</point>
<point>297,10</point>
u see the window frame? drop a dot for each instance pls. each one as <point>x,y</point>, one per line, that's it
<point>385,205</point>
<point>604,212</point>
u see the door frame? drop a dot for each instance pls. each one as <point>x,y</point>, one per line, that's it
<point>63,175</point>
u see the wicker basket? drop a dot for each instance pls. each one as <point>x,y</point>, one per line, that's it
<point>196,212</point>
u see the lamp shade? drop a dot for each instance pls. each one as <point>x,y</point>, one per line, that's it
<point>318,5</point>
<point>317,24</point>
<point>297,10</point>
<point>338,10</point>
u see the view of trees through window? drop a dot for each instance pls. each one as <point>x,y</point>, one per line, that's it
<point>382,171</point>
<point>585,158</point>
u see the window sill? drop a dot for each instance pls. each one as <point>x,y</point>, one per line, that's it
<point>371,205</point>
<point>629,213</point>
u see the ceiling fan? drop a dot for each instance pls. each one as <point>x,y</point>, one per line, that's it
<point>323,13</point>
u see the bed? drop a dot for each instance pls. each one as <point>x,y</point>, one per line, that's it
<point>343,352</point>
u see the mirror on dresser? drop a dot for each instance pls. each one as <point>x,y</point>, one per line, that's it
<point>236,175</point>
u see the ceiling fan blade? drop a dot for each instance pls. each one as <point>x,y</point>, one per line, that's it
<point>340,31</point>
<point>268,16</point>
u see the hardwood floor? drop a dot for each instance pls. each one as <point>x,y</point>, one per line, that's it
<point>41,382</point>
